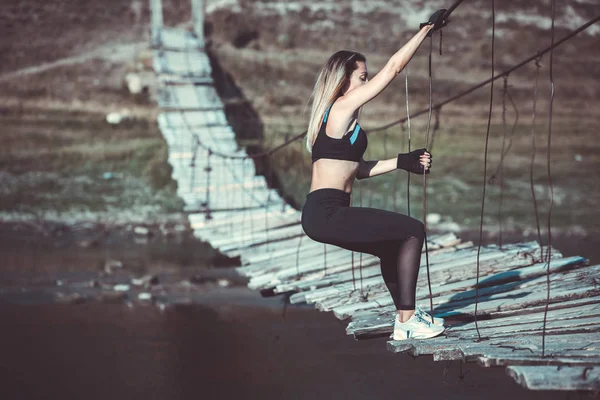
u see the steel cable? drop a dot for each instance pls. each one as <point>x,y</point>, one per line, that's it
<point>487,136</point>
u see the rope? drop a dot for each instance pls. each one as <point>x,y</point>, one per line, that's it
<point>298,253</point>
<point>484,83</point>
<point>324,259</point>
<point>502,154</point>
<point>385,157</point>
<point>408,124</point>
<point>207,169</point>
<point>510,138</point>
<point>436,126</point>
<point>353,277</point>
<point>425,178</point>
<point>487,137</point>
<point>360,257</point>
<point>425,110</point>
<point>535,207</point>
<point>549,182</point>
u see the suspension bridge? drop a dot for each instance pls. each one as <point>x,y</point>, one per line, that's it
<point>521,306</point>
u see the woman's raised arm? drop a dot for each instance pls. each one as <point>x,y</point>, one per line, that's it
<point>359,96</point>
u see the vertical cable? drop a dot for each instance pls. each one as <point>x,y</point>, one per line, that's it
<point>531,181</point>
<point>324,259</point>
<point>385,156</point>
<point>487,137</point>
<point>408,126</point>
<point>551,188</point>
<point>502,153</point>
<point>353,277</point>
<point>360,257</point>
<point>298,253</point>
<point>208,169</point>
<point>425,177</point>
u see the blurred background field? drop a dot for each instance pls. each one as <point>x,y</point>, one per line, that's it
<point>67,65</point>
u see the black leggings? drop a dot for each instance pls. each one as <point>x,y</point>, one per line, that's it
<point>395,238</point>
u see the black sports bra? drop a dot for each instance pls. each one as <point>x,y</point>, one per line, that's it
<point>350,147</point>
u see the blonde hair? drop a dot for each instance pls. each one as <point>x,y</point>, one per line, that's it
<point>334,75</point>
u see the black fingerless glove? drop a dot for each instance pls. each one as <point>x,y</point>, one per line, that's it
<point>437,20</point>
<point>411,162</point>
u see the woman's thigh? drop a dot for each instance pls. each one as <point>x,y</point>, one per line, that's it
<point>370,230</point>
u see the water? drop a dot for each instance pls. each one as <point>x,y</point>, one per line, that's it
<point>219,349</point>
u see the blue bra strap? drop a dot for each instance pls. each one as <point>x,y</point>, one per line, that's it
<point>327,113</point>
<point>355,133</point>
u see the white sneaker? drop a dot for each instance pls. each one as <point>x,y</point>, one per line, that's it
<point>425,315</point>
<point>415,328</point>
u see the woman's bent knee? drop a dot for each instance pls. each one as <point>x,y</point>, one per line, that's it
<point>417,230</point>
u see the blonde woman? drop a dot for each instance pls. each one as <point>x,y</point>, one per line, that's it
<point>337,143</point>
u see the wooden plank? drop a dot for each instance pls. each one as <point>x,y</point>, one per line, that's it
<point>174,39</point>
<point>291,258</point>
<point>556,378</point>
<point>189,97</point>
<point>254,220</point>
<point>270,280</point>
<point>508,359</point>
<point>284,255</point>
<point>179,120</point>
<point>250,251</point>
<point>378,322</point>
<point>183,64</point>
<point>511,323</point>
<point>250,238</point>
<point>187,143</point>
<point>246,239</point>
<point>553,326</point>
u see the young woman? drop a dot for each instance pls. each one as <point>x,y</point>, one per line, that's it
<point>337,143</point>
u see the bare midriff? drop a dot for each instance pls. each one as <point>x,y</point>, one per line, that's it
<point>333,174</point>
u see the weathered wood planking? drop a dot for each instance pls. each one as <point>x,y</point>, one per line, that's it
<point>493,284</point>
<point>561,377</point>
<point>177,120</point>
<point>564,286</point>
<point>187,64</point>
<point>289,274</point>
<point>371,271</point>
<point>250,220</point>
<point>166,38</point>
<point>189,97</point>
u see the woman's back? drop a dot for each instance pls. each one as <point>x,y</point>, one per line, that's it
<point>337,152</point>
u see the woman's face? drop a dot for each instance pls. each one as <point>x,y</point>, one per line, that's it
<point>359,76</point>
